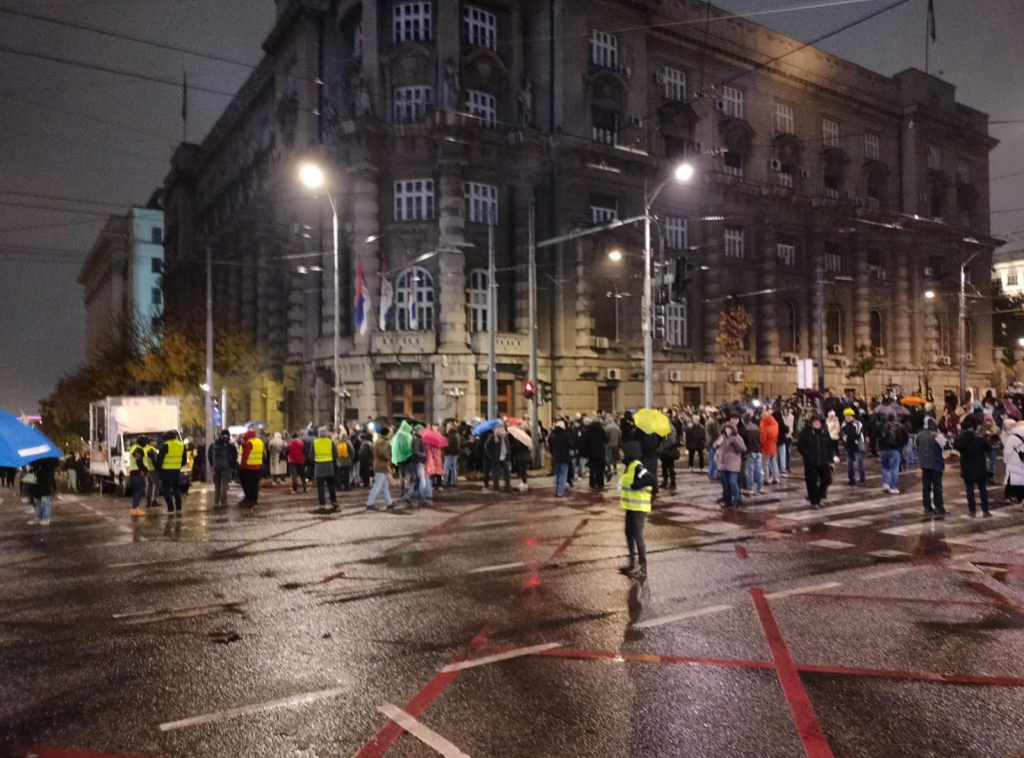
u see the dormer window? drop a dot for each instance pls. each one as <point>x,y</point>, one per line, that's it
<point>604,49</point>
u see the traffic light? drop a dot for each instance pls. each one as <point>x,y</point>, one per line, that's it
<point>543,393</point>
<point>528,390</point>
<point>659,321</point>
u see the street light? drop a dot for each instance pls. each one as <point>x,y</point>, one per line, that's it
<point>682,173</point>
<point>615,255</point>
<point>313,177</point>
<point>1021,342</point>
<point>929,294</point>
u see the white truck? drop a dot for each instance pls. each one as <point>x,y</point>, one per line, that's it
<point>114,425</point>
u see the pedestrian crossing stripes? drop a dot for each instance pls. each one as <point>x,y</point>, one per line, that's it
<point>987,536</point>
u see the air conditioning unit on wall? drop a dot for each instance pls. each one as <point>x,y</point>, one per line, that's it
<point>775,164</point>
<point>736,377</point>
<point>613,374</point>
<point>659,77</point>
<point>879,352</point>
<point>945,360</point>
<point>790,359</point>
<point>626,71</point>
<point>601,343</point>
<point>675,376</point>
<point>837,349</point>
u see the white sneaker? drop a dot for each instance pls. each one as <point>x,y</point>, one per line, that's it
<point>32,522</point>
<point>44,522</point>
<point>885,488</point>
<point>894,492</point>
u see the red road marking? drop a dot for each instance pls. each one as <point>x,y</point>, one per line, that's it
<point>45,752</point>
<point>807,726</point>
<point>332,577</point>
<point>644,658</point>
<point>921,676</point>
<point>996,595</point>
<point>741,552</point>
<point>888,599</point>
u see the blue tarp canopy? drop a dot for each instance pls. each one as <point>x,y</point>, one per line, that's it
<point>20,444</point>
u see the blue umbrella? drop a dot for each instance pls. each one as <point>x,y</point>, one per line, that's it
<point>486,426</point>
<point>20,444</point>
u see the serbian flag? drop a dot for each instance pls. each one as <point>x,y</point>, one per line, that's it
<point>387,297</point>
<point>362,302</point>
<point>414,320</point>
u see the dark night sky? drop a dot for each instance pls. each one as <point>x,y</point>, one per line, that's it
<point>67,131</point>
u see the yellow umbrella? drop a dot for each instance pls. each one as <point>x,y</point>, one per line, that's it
<point>653,422</point>
<point>913,401</point>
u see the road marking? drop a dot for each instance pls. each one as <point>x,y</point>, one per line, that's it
<point>876,518</point>
<point>989,536</point>
<point>707,611</point>
<point>499,567</point>
<point>517,653</point>
<point>921,527</point>
<point>721,527</point>
<point>888,572</point>
<point>889,554</point>
<point>244,710</point>
<point>427,736</point>
<point>803,590</point>
<point>839,510</point>
<point>965,568</point>
<point>832,544</point>
<point>165,611</point>
<point>687,519</point>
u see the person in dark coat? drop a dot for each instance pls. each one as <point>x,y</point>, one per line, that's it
<point>595,441</point>
<point>560,445</point>
<point>974,450</point>
<point>650,445</point>
<point>695,442</point>
<point>42,489</point>
<point>815,447</point>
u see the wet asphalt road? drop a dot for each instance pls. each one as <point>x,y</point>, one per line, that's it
<point>859,631</point>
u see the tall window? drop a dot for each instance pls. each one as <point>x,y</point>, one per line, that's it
<point>414,300</point>
<point>603,208</point>
<point>934,158</point>
<point>605,123</point>
<point>412,22</point>
<point>676,332</point>
<point>676,233</point>
<point>789,335</point>
<point>481,27</point>
<point>481,203</point>
<point>785,251</point>
<point>875,328</point>
<point>157,265</point>
<point>734,242</point>
<point>833,258</point>
<point>732,102</point>
<point>158,296</point>
<point>733,163</point>
<point>830,133</point>
<point>483,106</point>
<point>784,121</point>
<point>675,83</point>
<point>411,104</point>
<point>876,268</point>
<point>157,235</point>
<point>478,296</point>
<point>414,200</point>
<point>834,328</point>
<point>832,182</point>
<point>872,147</point>
<point>604,49</point>
<point>786,175</point>
<point>963,171</point>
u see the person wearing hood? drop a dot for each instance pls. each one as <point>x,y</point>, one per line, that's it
<point>852,437</point>
<point>249,468</point>
<point>929,455</point>
<point>297,462</point>
<point>815,447</point>
<point>834,427</point>
<point>636,487</point>
<point>1013,459</point>
<point>323,454</point>
<point>223,460</point>
<point>974,449</point>
<point>401,454</point>
<point>277,450</point>
<point>346,456</point>
<point>383,453</point>
<point>560,444</point>
<point>594,441</point>
<point>695,442</point>
<point>729,451</point>
<point>770,448</point>
<point>892,438</point>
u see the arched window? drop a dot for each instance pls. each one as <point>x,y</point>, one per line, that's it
<point>789,336</point>
<point>834,327</point>
<point>877,337</point>
<point>414,300</point>
<point>478,296</point>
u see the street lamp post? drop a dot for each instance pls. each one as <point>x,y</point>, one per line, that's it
<point>313,177</point>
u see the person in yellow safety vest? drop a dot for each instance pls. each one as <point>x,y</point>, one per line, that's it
<point>138,467</point>
<point>636,486</point>
<point>153,477</point>
<point>169,462</point>
<point>323,454</point>
<point>250,467</point>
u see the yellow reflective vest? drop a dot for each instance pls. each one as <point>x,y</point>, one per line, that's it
<point>151,453</point>
<point>631,499</point>
<point>133,465</point>
<point>323,450</point>
<point>175,452</point>
<point>255,454</point>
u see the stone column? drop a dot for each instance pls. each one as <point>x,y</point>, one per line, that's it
<point>816,262</point>
<point>902,343</point>
<point>584,319</point>
<point>451,284</point>
<point>861,297</point>
<point>363,178</point>
<point>715,289</point>
<point>930,346</point>
<point>767,324</point>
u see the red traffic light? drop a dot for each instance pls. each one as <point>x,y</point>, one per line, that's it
<point>528,389</point>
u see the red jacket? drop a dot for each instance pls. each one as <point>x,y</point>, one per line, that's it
<point>769,435</point>
<point>297,451</point>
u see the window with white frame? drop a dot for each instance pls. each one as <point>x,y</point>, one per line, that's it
<point>676,236</point>
<point>784,119</point>
<point>481,27</point>
<point>732,102</point>
<point>832,184</point>
<point>833,258</point>
<point>414,200</point>
<point>963,171</point>
<point>785,253</point>
<point>733,162</point>
<point>734,242</point>
<point>481,203</point>
<point>1011,280</point>
<point>675,83</point>
<point>603,208</point>
<point>604,124</point>
<point>829,132</point>
<point>786,175</point>
<point>414,300</point>
<point>478,299</point>
<point>934,158</point>
<point>872,147</point>
<point>411,103</point>
<point>483,106</point>
<point>604,49</point>
<point>676,332</point>
<point>412,22</point>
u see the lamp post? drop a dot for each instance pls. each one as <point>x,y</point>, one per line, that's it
<point>682,173</point>
<point>313,177</point>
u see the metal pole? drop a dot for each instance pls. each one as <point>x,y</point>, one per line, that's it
<point>819,307</point>
<point>209,355</point>
<point>646,319</point>
<point>962,339</point>
<point>337,315</point>
<point>492,328</point>
<point>224,407</point>
<point>532,272</point>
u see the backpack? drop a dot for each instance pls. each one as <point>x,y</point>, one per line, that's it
<point>890,436</point>
<point>343,450</point>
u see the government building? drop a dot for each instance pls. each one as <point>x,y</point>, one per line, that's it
<point>826,199</point>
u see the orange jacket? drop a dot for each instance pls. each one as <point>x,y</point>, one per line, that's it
<point>769,435</point>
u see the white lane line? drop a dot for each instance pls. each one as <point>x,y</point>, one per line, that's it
<point>721,527</point>
<point>889,554</point>
<point>888,572</point>
<point>1002,513</point>
<point>921,527</point>
<point>965,568</point>
<point>989,536</point>
<point>517,653</point>
<point>680,616</point>
<point>687,519</point>
<point>839,510</point>
<point>174,616</point>
<point>165,611</point>
<point>427,736</point>
<point>832,544</point>
<point>803,590</point>
<point>270,705</point>
<point>499,567</point>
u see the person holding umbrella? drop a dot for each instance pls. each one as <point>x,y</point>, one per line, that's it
<point>522,447</point>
